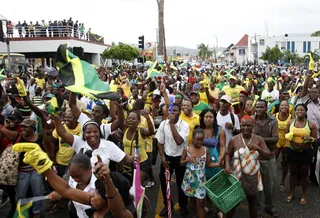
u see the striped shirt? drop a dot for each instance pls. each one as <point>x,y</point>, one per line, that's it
<point>37,100</point>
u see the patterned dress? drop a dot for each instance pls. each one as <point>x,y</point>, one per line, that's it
<point>195,178</point>
<point>249,164</point>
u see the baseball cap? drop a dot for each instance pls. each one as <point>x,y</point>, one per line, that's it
<point>226,98</point>
<point>194,92</point>
<point>233,77</point>
<point>28,122</point>
<point>156,97</point>
<point>15,115</point>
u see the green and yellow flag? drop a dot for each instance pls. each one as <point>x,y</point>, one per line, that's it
<point>153,71</point>
<point>77,75</point>
<point>22,211</point>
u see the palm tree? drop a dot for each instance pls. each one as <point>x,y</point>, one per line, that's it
<point>204,51</point>
<point>162,40</point>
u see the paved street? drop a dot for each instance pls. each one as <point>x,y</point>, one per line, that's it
<point>287,210</point>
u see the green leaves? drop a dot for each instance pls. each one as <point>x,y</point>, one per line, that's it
<point>121,52</point>
<point>271,54</point>
<point>204,51</point>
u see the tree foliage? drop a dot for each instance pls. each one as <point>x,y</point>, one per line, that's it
<point>291,57</point>
<point>121,52</point>
<point>204,52</point>
<point>317,33</point>
<point>271,54</point>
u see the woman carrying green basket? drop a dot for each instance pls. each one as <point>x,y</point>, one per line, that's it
<point>246,148</point>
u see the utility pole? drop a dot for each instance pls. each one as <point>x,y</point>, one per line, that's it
<point>5,39</point>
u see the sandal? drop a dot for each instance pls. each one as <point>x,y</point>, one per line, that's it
<point>303,201</point>
<point>282,188</point>
<point>289,199</point>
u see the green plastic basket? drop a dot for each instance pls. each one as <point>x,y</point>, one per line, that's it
<point>225,191</point>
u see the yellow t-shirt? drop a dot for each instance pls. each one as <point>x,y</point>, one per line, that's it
<point>126,89</point>
<point>40,82</point>
<point>234,93</point>
<point>65,151</point>
<point>203,97</point>
<point>148,140</point>
<point>193,122</point>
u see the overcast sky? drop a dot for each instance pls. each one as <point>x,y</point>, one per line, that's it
<point>187,22</point>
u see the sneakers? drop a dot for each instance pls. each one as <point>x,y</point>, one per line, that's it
<point>150,185</point>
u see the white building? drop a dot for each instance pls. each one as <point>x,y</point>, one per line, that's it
<point>301,44</point>
<point>237,53</point>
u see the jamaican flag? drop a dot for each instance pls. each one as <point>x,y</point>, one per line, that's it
<point>77,75</point>
<point>96,38</point>
<point>22,211</point>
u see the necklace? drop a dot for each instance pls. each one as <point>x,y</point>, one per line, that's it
<point>245,142</point>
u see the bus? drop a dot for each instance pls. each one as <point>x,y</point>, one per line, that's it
<point>18,62</point>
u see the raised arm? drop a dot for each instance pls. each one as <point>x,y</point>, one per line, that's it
<point>62,187</point>
<point>150,130</point>
<point>305,88</point>
<point>11,135</point>
<point>34,108</point>
<point>61,131</point>
<point>73,105</point>
<point>120,120</point>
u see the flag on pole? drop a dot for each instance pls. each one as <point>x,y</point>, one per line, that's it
<point>77,75</point>
<point>139,191</point>
<point>22,211</point>
<point>168,192</point>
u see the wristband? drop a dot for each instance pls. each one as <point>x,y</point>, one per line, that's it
<point>113,196</point>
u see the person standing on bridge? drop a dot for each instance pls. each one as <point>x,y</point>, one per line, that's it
<point>172,137</point>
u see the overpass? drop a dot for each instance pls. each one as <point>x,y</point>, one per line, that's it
<point>46,47</point>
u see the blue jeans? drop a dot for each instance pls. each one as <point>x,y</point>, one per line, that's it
<point>35,180</point>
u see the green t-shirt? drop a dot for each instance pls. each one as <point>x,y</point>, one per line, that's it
<point>197,109</point>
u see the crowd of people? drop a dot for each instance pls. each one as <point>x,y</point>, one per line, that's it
<point>198,122</point>
<point>56,28</point>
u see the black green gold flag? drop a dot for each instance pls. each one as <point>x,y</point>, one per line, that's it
<point>77,75</point>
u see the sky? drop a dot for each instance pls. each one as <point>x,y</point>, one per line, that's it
<point>187,22</point>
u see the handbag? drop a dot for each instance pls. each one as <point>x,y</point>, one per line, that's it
<point>9,162</point>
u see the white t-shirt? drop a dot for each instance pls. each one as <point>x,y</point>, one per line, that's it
<point>270,96</point>
<point>81,208</point>
<point>107,150</point>
<point>222,120</point>
<point>104,128</point>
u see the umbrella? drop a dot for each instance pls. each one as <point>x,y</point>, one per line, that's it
<point>51,71</point>
<point>185,65</point>
<point>148,63</point>
<point>167,173</point>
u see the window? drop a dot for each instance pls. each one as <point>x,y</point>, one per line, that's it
<point>309,46</point>
<point>304,47</point>
<point>288,45</point>
<point>293,49</point>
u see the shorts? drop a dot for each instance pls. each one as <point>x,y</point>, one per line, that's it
<point>300,157</point>
<point>147,164</point>
<point>283,143</point>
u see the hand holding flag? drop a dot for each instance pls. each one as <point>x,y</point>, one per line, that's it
<point>311,63</point>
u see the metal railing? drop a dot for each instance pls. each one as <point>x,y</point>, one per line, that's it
<point>48,31</point>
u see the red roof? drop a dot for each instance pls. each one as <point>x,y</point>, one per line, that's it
<point>243,41</point>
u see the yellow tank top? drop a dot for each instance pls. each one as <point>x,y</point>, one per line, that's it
<point>128,144</point>
<point>299,132</point>
<point>282,125</point>
<point>148,101</point>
